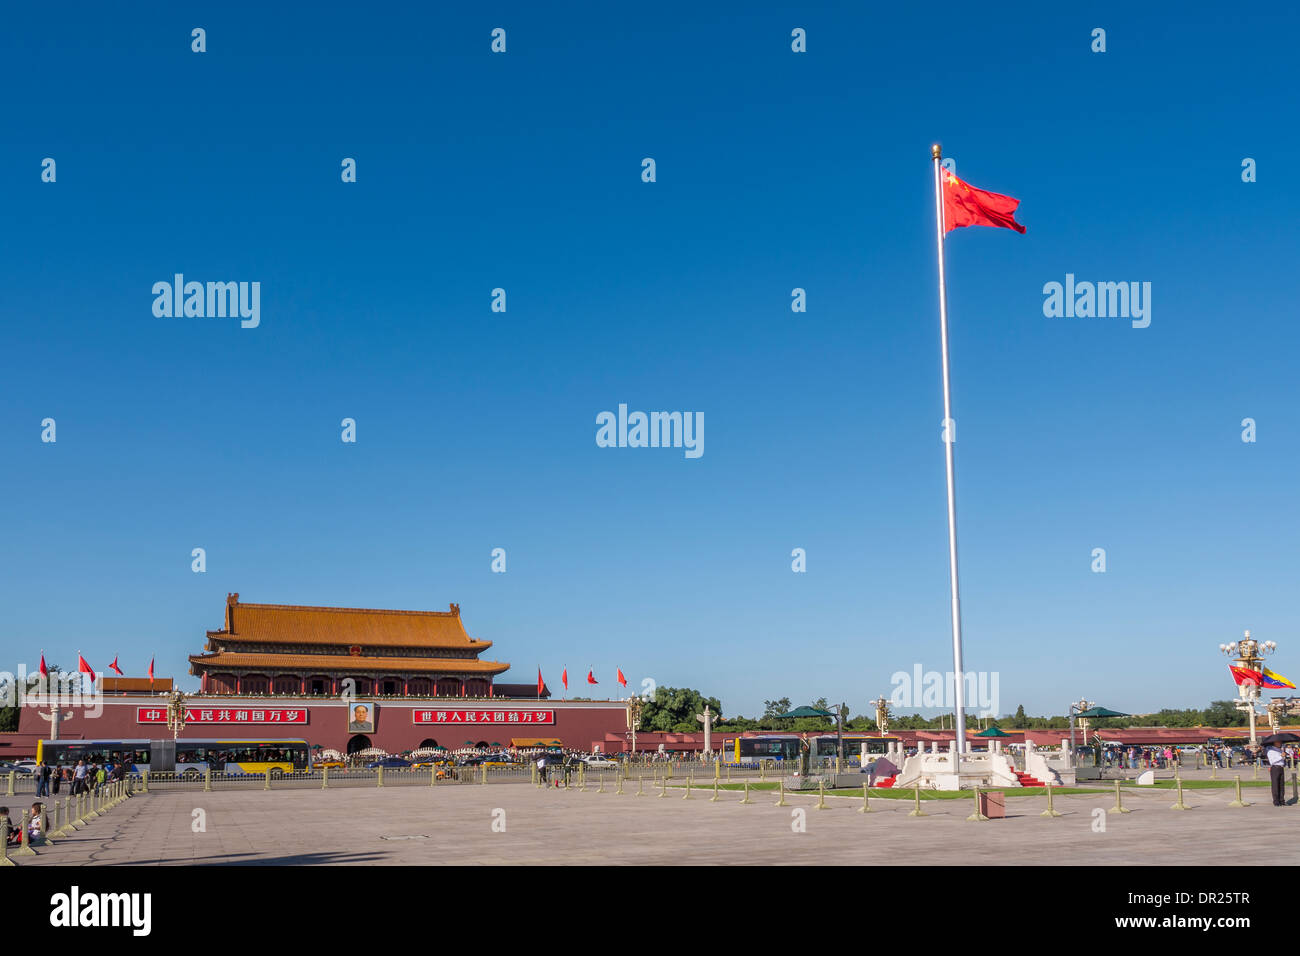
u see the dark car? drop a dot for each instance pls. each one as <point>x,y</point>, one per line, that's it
<point>388,763</point>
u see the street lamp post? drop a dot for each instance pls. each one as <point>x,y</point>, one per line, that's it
<point>1075,708</point>
<point>1250,655</point>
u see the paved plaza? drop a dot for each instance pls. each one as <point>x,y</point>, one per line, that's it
<point>455,825</point>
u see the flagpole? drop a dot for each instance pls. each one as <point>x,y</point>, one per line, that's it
<point>950,437</point>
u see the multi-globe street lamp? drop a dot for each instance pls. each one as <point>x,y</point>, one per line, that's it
<point>1250,655</point>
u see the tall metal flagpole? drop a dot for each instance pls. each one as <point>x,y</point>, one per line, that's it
<point>949,439</point>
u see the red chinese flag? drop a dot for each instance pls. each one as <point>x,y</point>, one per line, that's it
<point>1244,675</point>
<point>84,668</point>
<point>44,671</point>
<point>151,672</point>
<point>621,679</point>
<point>116,670</point>
<point>964,205</point>
<point>591,678</point>
<point>539,682</point>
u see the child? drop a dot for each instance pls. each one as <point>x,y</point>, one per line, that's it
<point>34,832</point>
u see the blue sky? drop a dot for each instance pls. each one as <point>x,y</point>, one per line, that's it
<point>476,429</point>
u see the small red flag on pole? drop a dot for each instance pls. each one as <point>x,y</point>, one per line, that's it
<point>621,679</point>
<point>44,671</point>
<point>116,670</point>
<point>539,683</point>
<point>564,678</point>
<point>591,678</point>
<point>151,660</point>
<point>84,668</point>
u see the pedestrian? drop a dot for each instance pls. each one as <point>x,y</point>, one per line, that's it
<point>42,774</point>
<point>79,778</point>
<point>60,774</point>
<point>1276,773</point>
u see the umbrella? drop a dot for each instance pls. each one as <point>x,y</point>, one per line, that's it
<point>1285,738</point>
<point>806,712</point>
<point>1099,712</point>
<point>993,731</point>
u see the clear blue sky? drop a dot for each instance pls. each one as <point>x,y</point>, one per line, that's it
<point>477,430</point>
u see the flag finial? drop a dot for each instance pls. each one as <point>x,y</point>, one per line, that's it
<point>936,151</point>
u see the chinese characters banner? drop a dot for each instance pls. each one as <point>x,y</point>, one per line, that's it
<point>483,716</point>
<point>158,715</point>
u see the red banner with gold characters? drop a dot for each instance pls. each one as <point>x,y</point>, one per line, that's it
<point>483,716</point>
<point>226,715</point>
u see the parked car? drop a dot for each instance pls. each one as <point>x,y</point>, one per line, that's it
<point>599,762</point>
<point>16,767</point>
<point>331,764</point>
<point>389,763</point>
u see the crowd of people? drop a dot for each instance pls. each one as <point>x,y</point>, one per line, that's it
<point>82,777</point>
<point>1168,757</point>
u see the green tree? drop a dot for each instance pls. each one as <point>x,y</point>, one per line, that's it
<point>1020,721</point>
<point>673,709</point>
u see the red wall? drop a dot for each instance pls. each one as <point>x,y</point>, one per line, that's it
<point>576,723</point>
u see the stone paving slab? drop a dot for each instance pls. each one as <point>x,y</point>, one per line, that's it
<point>453,825</point>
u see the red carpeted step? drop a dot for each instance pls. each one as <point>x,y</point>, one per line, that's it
<point>1027,781</point>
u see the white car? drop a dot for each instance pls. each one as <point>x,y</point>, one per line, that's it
<point>26,766</point>
<point>597,762</point>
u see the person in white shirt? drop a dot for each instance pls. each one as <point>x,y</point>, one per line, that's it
<point>1276,771</point>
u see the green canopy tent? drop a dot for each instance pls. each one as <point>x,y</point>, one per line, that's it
<point>1093,711</point>
<point>993,731</point>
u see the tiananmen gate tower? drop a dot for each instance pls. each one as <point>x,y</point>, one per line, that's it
<point>310,651</point>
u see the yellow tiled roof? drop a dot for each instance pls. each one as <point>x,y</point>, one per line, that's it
<point>344,626</point>
<point>345,662</point>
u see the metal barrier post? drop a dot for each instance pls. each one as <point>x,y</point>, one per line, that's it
<point>717,770</point>
<point>582,777</point>
<point>12,774</point>
<point>1179,805</point>
<point>482,776</point>
<point>1238,802</point>
<point>433,776</point>
<point>640,785</point>
<point>978,817</point>
<point>91,812</point>
<point>746,800</point>
<point>324,778</point>
<point>266,780</point>
<point>1255,771</point>
<point>1214,770</point>
<point>380,776</point>
<point>917,811</point>
<point>1051,810</point>
<point>537,778</point>
<point>46,832</point>
<point>59,825</point>
<point>619,790</point>
<point>207,780</point>
<point>821,796</point>
<point>714,798</point>
<point>144,777</point>
<point>4,843</point>
<point>1119,801</point>
<point>689,779</point>
<point>601,778</point>
<point>663,792</point>
<point>25,848</point>
<point>866,806</point>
